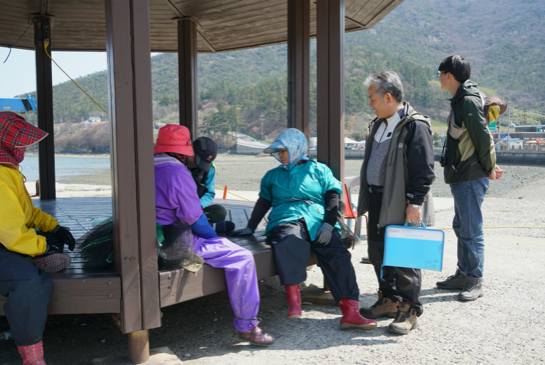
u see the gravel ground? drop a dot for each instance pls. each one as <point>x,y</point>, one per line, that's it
<point>506,326</point>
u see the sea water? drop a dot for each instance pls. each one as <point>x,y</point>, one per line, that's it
<point>65,167</point>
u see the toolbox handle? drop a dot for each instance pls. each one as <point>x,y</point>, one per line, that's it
<point>421,222</point>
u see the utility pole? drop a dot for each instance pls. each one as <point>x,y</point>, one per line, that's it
<point>262,118</point>
<point>509,123</point>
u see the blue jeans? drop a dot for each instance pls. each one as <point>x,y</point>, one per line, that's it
<point>468,224</point>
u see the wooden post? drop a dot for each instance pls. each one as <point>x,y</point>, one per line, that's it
<point>187,70</point>
<point>133,184</point>
<point>299,65</point>
<point>139,347</point>
<point>330,70</point>
<point>44,96</point>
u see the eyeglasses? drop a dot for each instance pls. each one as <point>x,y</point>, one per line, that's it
<point>439,73</point>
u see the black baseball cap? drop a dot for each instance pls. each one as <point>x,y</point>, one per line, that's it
<point>206,151</point>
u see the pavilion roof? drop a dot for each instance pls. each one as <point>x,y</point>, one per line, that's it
<point>223,25</point>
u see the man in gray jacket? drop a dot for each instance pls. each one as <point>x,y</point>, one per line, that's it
<point>396,177</point>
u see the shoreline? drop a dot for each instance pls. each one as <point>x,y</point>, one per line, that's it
<point>73,155</point>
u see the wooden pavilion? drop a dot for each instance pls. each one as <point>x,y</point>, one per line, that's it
<point>129,30</point>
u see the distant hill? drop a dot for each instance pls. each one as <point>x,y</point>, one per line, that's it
<point>503,40</point>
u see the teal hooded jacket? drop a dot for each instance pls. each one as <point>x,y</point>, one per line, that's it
<point>297,190</point>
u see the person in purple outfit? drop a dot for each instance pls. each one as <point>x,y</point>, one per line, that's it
<point>177,203</point>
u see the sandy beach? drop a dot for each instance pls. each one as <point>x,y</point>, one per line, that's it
<point>243,173</point>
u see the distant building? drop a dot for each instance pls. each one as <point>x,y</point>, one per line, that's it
<point>529,128</point>
<point>247,145</point>
<point>514,143</point>
<point>537,144</point>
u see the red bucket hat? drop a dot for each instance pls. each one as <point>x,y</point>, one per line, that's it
<point>16,132</point>
<point>174,138</point>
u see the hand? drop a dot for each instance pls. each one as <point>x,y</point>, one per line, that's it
<point>54,244</point>
<point>65,236</point>
<point>497,174</point>
<point>324,234</point>
<point>242,232</point>
<point>412,214</point>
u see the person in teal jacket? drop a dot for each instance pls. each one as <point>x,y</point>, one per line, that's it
<point>203,170</point>
<point>304,197</point>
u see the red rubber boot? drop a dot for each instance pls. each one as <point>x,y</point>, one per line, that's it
<point>294,301</point>
<point>33,354</point>
<point>351,316</point>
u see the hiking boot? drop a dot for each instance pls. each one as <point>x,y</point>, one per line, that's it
<point>456,281</point>
<point>472,290</point>
<point>384,307</point>
<point>351,317</point>
<point>405,321</point>
<point>52,263</point>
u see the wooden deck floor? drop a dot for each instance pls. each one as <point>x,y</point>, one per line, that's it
<point>78,290</point>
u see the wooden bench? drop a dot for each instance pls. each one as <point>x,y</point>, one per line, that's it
<point>78,291</point>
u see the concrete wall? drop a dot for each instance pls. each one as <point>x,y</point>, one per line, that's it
<point>514,157</point>
<point>348,154</point>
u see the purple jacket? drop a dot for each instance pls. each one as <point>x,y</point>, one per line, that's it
<point>176,198</point>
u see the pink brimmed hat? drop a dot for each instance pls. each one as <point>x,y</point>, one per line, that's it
<point>174,138</point>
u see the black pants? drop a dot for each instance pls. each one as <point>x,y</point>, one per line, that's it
<point>291,245</point>
<point>28,291</point>
<point>397,283</point>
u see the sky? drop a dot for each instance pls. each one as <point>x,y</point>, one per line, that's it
<point>18,74</point>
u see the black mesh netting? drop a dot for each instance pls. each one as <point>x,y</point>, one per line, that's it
<point>174,247</point>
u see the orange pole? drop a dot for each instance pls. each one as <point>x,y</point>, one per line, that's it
<point>225,192</point>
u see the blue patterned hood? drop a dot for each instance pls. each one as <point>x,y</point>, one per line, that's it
<point>294,141</point>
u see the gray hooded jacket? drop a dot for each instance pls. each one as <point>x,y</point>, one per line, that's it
<point>409,171</point>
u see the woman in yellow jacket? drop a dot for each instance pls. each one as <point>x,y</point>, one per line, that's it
<point>31,243</point>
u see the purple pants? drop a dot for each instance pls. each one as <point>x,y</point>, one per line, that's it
<point>240,274</point>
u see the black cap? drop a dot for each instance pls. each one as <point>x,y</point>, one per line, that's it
<point>206,151</point>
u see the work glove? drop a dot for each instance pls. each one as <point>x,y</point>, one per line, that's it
<point>324,234</point>
<point>54,244</point>
<point>65,236</point>
<point>243,232</point>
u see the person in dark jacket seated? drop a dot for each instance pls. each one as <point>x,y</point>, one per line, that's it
<point>203,169</point>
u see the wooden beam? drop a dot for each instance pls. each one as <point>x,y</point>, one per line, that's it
<point>330,87</point>
<point>44,96</point>
<point>187,69</point>
<point>299,65</point>
<point>179,14</point>
<point>133,185</point>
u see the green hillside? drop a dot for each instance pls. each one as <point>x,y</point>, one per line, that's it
<point>502,39</point>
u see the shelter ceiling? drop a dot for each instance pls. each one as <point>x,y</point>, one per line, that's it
<point>223,25</point>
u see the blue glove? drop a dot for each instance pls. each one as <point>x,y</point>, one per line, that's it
<point>243,232</point>
<point>202,228</point>
<point>324,234</point>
